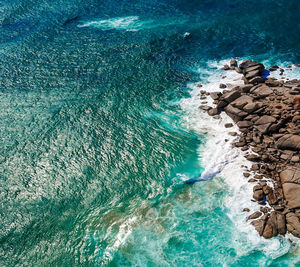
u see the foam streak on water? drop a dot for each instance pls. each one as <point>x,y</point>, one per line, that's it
<point>130,23</point>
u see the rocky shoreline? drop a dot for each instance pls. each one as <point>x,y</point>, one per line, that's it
<point>267,112</point>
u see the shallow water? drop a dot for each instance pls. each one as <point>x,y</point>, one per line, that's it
<point>99,130</point>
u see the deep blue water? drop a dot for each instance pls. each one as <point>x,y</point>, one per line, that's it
<point>93,146</point>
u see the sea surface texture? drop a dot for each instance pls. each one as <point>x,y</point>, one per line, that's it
<point>100,127</point>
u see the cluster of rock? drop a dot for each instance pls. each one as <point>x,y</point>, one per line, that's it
<point>267,112</point>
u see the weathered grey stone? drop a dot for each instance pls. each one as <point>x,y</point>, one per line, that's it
<point>273,68</point>
<point>292,194</point>
<point>272,198</point>
<point>257,80</point>
<point>228,125</point>
<point>215,95</point>
<point>246,88</point>
<point>253,73</point>
<point>263,123</point>
<point>271,226</point>
<point>290,175</point>
<point>258,195</point>
<point>226,67</point>
<point>233,63</point>
<point>263,91</point>
<point>273,83</point>
<point>231,96</point>
<point>295,159</point>
<point>249,65</point>
<point>213,112</point>
<point>254,215</point>
<point>205,107</point>
<point>293,224</point>
<point>222,104</point>
<point>235,113</point>
<point>259,226</point>
<point>281,224</point>
<point>250,107</point>
<point>244,124</point>
<point>289,141</point>
<point>253,157</point>
<point>242,101</point>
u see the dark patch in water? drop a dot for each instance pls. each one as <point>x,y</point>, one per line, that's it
<point>70,20</point>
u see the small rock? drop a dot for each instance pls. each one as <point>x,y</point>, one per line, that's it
<point>273,68</point>
<point>264,209</point>
<point>215,95</point>
<point>233,63</point>
<point>253,157</point>
<point>228,125</point>
<point>213,112</point>
<point>254,215</point>
<point>205,107</point>
<point>255,167</point>
<point>244,124</point>
<point>258,195</point>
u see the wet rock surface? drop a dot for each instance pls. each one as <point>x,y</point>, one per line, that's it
<point>267,112</point>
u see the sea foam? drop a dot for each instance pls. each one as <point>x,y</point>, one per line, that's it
<point>130,23</point>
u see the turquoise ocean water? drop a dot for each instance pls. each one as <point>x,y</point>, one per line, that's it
<point>99,129</point>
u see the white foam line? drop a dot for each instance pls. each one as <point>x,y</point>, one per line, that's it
<point>125,229</point>
<point>130,23</point>
<point>217,150</point>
